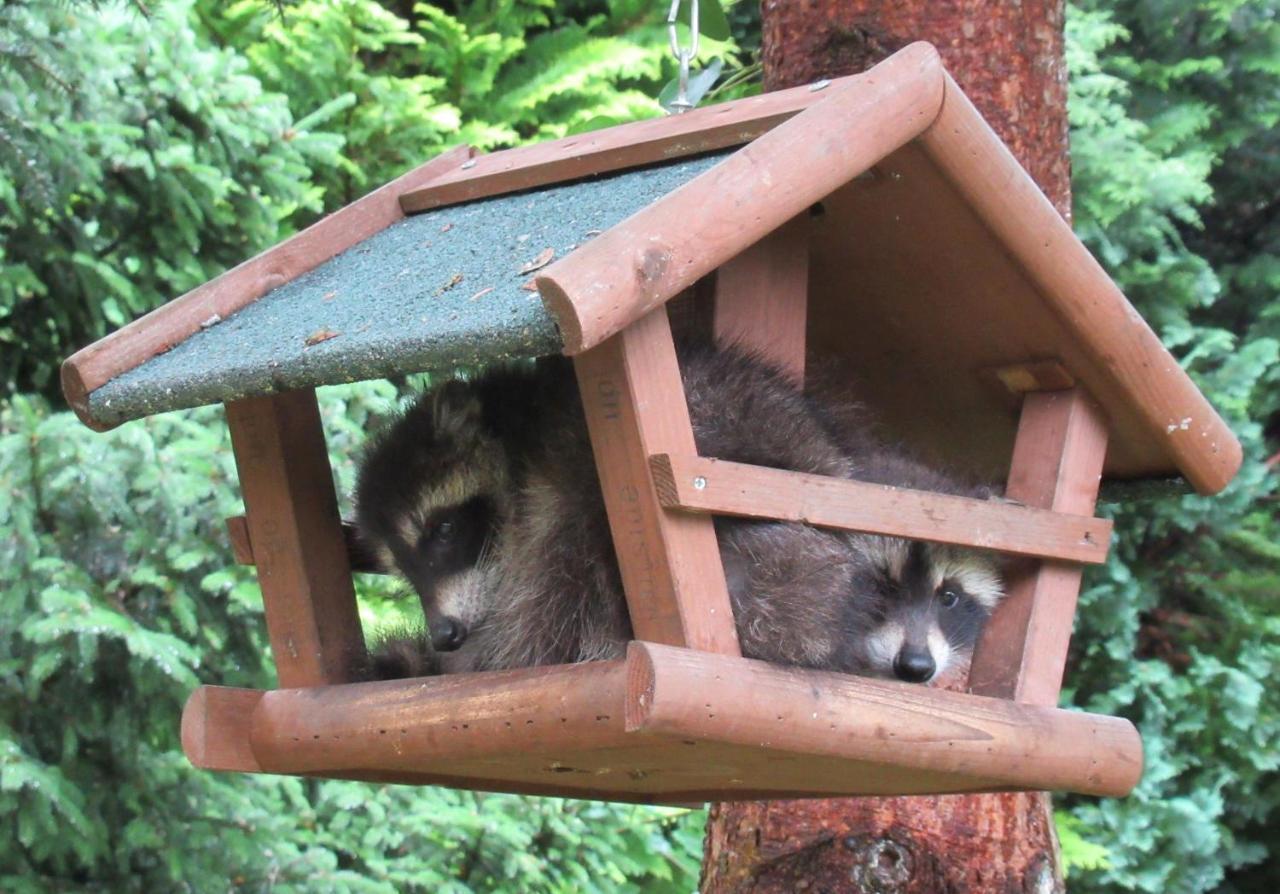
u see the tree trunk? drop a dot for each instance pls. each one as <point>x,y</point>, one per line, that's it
<point>1008,57</point>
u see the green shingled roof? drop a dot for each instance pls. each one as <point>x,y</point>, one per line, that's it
<point>434,291</point>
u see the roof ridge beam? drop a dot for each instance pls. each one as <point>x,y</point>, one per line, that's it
<point>642,262</point>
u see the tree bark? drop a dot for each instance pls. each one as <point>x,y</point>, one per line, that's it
<point>1009,59</point>
<point>922,845</point>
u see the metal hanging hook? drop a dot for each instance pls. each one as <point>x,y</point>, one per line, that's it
<point>684,55</point>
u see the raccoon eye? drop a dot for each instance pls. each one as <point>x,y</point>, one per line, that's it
<point>949,598</point>
<point>432,534</point>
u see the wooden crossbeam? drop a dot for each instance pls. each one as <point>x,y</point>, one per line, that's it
<point>651,141</point>
<point>1057,465</point>
<point>705,485</point>
<point>296,538</point>
<point>634,403</point>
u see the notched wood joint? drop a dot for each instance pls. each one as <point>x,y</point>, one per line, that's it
<point>1029,376</point>
<point>359,556</point>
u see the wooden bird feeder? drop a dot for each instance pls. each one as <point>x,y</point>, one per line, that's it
<point>875,217</point>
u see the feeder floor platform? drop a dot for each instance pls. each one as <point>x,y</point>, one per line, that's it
<point>663,725</point>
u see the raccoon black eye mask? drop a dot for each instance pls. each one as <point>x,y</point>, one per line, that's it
<point>932,603</point>
<point>484,497</point>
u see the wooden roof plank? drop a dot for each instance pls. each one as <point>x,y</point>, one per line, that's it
<point>219,298</point>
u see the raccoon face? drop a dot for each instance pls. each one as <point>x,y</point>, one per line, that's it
<point>428,503</point>
<point>931,603</point>
<point>441,555</point>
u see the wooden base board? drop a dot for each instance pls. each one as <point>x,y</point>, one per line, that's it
<point>666,724</point>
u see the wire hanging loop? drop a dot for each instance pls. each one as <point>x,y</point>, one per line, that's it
<point>684,55</point>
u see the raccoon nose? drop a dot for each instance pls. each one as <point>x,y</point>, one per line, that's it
<point>913,666</point>
<point>448,634</point>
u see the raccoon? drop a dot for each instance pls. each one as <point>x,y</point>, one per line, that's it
<point>436,488</point>
<point>485,498</point>
<point>931,600</point>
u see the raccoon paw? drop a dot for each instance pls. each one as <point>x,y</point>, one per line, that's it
<point>400,656</point>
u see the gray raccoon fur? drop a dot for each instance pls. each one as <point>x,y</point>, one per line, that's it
<point>542,586</point>
<point>547,588</point>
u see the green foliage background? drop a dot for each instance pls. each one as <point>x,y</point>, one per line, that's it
<point>141,154</point>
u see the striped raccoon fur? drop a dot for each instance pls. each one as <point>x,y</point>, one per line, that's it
<point>484,497</point>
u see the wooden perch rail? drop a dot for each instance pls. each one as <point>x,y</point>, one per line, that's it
<point>664,724</point>
<point>701,484</point>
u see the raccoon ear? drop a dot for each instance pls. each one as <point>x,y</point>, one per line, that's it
<point>455,409</point>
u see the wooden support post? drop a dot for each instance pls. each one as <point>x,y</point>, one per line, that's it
<point>1057,464</point>
<point>762,297</point>
<point>359,556</point>
<point>635,405</point>
<point>296,538</point>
